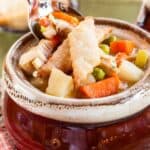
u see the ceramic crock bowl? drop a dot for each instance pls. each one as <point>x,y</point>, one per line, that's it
<point>42,121</point>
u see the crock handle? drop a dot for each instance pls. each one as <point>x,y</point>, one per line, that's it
<point>30,1</point>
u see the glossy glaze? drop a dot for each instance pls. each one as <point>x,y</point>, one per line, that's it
<point>31,131</point>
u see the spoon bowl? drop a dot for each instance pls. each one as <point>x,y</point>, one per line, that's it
<point>43,8</point>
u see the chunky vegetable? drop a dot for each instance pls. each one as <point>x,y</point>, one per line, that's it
<point>99,74</point>
<point>130,72</point>
<point>59,84</point>
<point>110,39</point>
<point>43,29</point>
<point>105,48</point>
<point>141,58</point>
<point>101,89</point>
<point>44,22</point>
<point>66,17</point>
<point>124,46</point>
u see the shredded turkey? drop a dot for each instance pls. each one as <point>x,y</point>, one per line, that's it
<point>60,59</point>
<point>36,56</point>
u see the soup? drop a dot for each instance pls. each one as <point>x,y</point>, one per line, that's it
<point>89,62</point>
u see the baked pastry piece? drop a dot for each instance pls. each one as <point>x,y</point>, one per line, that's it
<point>80,50</point>
<point>13,14</point>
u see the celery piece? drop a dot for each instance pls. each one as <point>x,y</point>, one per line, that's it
<point>105,48</point>
<point>141,58</point>
<point>112,38</point>
<point>43,29</point>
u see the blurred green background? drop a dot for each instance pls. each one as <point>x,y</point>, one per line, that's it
<point>121,9</point>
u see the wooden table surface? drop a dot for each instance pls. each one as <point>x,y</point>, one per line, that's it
<point>122,9</point>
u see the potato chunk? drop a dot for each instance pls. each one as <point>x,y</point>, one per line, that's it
<point>130,72</point>
<point>59,84</point>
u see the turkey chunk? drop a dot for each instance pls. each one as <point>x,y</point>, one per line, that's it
<point>36,56</point>
<point>60,59</point>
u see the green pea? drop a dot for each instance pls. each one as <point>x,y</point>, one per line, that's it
<point>99,74</point>
<point>112,38</point>
<point>105,48</point>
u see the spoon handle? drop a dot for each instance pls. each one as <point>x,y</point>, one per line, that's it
<point>31,1</point>
<point>144,15</point>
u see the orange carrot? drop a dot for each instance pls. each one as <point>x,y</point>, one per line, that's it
<point>66,17</point>
<point>119,57</point>
<point>102,88</point>
<point>44,22</point>
<point>124,46</point>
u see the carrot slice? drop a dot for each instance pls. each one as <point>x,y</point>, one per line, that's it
<point>66,17</point>
<point>119,57</point>
<point>124,46</point>
<point>44,22</point>
<point>102,88</point>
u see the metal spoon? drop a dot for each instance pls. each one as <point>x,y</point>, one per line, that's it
<point>41,8</point>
